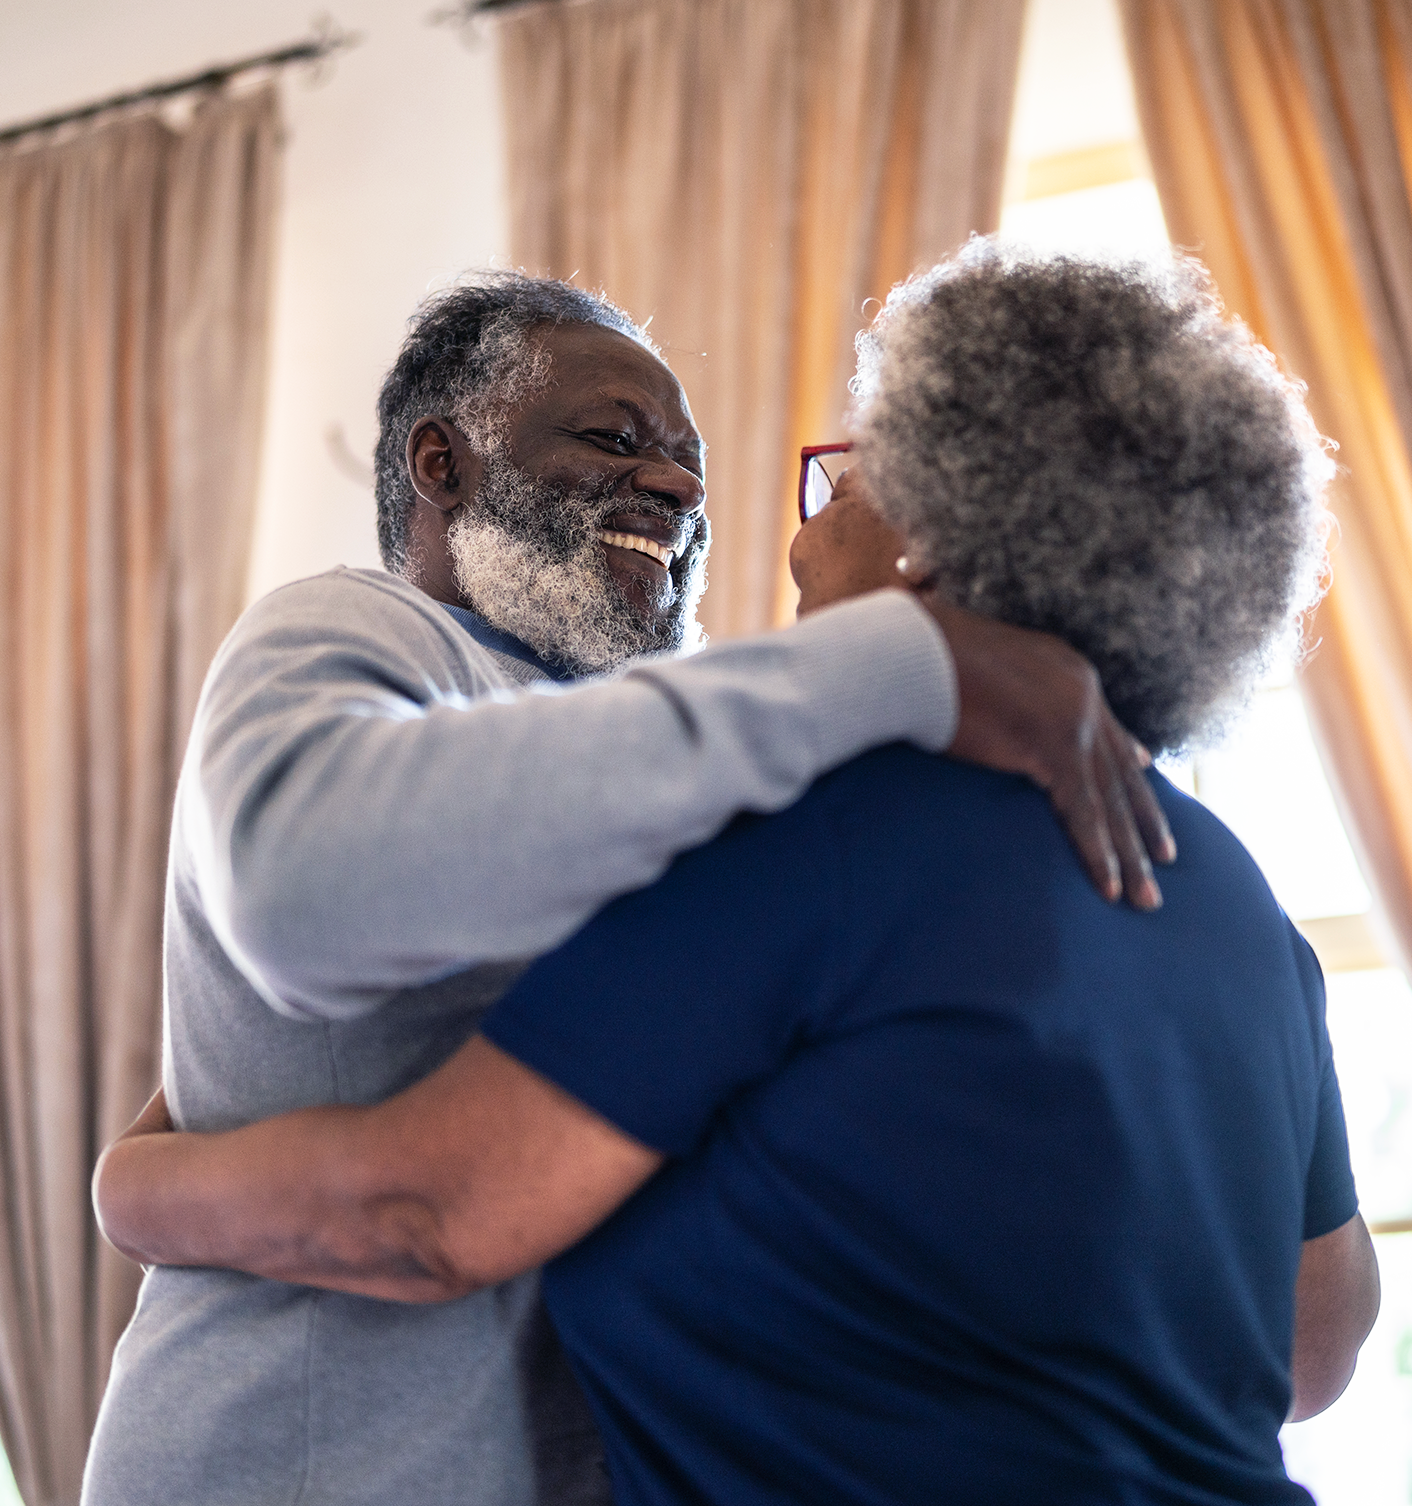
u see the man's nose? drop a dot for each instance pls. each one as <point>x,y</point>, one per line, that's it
<point>682,489</point>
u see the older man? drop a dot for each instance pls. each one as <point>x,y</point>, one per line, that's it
<point>951,1182</point>
<point>386,786</point>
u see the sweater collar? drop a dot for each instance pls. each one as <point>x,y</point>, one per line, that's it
<point>502,643</point>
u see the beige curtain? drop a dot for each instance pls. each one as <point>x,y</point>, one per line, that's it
<point>1280,133</point>
<point>747,173</point>
<point>134,285</point>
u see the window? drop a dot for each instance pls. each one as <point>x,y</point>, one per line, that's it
<point>1078,181</point>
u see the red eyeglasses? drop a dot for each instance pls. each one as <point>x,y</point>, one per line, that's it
<point>820,466</point>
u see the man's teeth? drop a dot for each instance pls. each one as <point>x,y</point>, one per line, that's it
<point>658,552</point>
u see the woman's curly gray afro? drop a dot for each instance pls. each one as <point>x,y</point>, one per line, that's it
<point>1090,449</point>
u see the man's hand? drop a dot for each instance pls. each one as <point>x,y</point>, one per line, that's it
<point>1032,705</point>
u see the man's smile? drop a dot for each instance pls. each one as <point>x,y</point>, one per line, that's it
<point>641,544</point>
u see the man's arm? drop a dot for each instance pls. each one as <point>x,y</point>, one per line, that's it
<point>359,814</point>
<point>1336,1302</point>
<point>481,1171</point>
<point>356,825</point>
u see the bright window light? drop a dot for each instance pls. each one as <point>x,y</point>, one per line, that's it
<point>1122,220</point>
<point>1370,1021</point>
<point>1267,784</point>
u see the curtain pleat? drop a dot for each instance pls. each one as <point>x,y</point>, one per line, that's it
<point>747,173</point>
<point>1280,133</point>
<point>133,295</point>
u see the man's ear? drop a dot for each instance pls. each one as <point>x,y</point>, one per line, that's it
<point>444,470</point>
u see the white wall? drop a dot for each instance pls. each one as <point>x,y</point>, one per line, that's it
<point>392,185</point>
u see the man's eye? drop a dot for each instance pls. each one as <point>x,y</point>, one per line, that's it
<point>613,437</point>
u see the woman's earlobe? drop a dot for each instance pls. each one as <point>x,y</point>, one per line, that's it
<point>916,578</point>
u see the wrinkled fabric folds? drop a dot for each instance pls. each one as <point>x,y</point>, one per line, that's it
<point>747,173</point>
<point>1280,133</point>
<point>134,293</point>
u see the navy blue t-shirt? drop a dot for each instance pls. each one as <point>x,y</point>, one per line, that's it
<point>982,1191</point>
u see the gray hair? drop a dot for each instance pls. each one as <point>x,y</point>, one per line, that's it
<point>1089,448</point>
<point>467,355</point>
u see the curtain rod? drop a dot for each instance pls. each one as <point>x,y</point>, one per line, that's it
<point>464,11</point>
<point>327,40</point>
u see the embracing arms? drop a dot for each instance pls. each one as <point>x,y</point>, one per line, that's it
<point>486,1169</point>
<point>358,817</point>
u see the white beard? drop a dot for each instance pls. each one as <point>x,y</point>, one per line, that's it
<point>528,558</point>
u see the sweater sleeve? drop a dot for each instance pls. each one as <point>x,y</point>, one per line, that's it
<point>359,816</point>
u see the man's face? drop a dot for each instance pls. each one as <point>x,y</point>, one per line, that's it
<point>587,536</point>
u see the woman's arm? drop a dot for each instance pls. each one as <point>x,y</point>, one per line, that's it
<point>480,1171</point>
<point>1336,1300</point>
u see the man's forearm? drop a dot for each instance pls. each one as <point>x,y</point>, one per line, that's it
<point>292,1199</point>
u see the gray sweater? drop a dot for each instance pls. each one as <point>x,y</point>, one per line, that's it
<point>372,802</point>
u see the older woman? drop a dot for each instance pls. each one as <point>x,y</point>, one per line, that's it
<point>899,1168</point>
